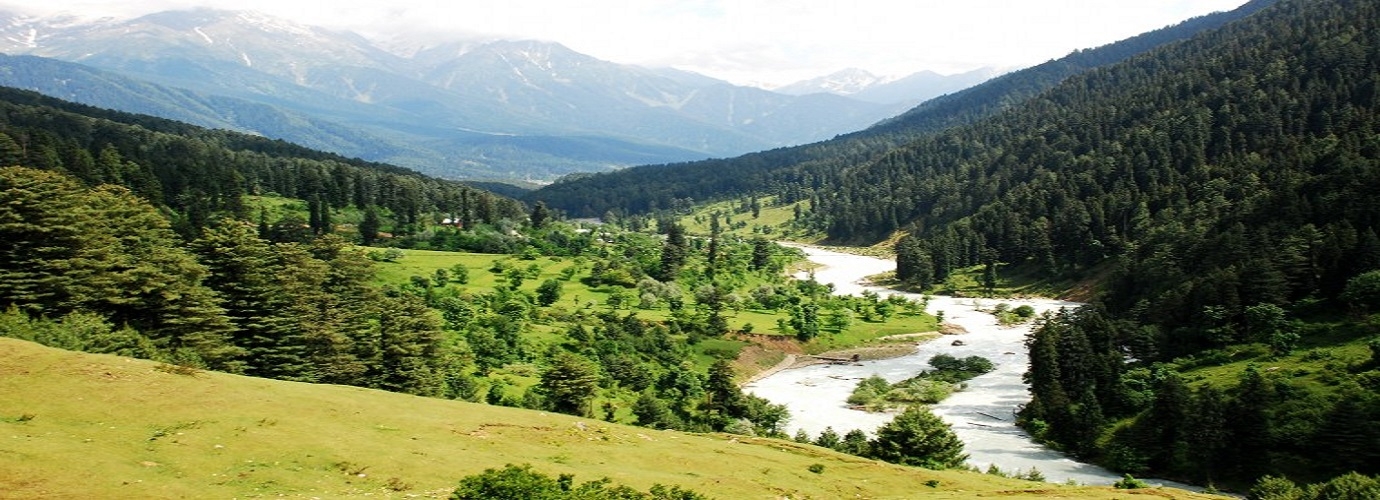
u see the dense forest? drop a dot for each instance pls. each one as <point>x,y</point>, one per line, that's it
<point>798,173</point>
<point>1222,191</point>
<point>1216,192</point>
<point>197,172</point>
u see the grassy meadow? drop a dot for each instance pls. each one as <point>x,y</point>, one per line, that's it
<point>78,425</point>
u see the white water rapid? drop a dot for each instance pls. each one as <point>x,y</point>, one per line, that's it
<point>981,415</point>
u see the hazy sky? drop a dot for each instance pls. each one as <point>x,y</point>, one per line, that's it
<point>744,41</point>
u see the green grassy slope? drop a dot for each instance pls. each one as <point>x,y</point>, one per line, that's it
<point>76,425</point>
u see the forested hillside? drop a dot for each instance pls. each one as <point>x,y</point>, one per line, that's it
<point>1221,190</point>
<point>198,172</point>
<point>797,173</point>
<point>1219,194</point>
<point>207,249</point>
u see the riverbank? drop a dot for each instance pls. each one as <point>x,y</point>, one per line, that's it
<point>982,415</point>
<point>892,346</point>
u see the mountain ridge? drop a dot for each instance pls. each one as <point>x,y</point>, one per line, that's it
<point>794,171</point>
<point>451,106</point>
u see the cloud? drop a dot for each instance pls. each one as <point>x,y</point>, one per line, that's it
<point>759,40</point>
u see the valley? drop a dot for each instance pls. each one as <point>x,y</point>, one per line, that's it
<point>1156,258</point>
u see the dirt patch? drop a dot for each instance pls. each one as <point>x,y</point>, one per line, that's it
<point>952,329</point>
<point>764,355</point>
<point>885,351</point>
<point>1088,288</point>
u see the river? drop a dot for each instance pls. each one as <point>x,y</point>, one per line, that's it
<point>982,415</point>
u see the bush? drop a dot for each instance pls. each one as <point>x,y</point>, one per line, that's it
<point>1129,483</point>
<point>522,483</point>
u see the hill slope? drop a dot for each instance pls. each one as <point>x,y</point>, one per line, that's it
<point>794,172</point>
<point>138,430</point>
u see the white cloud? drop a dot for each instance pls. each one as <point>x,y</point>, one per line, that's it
<point>775,41</point>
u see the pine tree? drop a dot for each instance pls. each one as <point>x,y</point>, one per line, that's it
<point>244,271</point>
<point>828,438</point>
<point>569,384</point>
<point>43,222</point>
<point>540,215</point>
<point>918,437</point>
<point>154,284</point>
<point>410,351</point>
<point>761,254</point>
<point>673,252</point>
<point>106,251</point>
<point>723,397</point>
<point>369,227</point>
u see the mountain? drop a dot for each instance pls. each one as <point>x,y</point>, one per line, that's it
<point>909,90</point>
<point>490,109</point>
<point>924,86</point>
<point>792,173</point>
<point>843,82</point>
<point>88,85</point>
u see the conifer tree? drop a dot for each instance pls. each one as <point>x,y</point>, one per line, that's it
<point>410,352</point>
<point>244,271</point>
<point>568,384</point>
<point>918,437</point>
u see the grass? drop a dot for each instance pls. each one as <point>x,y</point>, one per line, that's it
<point>576,295</point>
<point>101,426</point>
<point>772,221</point>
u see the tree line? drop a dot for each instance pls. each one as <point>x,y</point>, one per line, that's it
<point>198,173</point>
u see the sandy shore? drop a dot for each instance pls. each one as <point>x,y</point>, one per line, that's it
<point>894,346</point>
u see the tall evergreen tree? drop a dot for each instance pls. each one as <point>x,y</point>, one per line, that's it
<point>673,252</point>
<point>410,349</point>
<point>918,437</point>
<point>369,226</point>
<point>109,252</point>
<point>569,384</point>
<point>244,271</point>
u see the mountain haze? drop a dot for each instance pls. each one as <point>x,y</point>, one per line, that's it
<point>914,89</point>
<point>487,109</point>
<point>791,172</point>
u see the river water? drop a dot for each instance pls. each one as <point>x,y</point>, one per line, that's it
<point>982,415</point>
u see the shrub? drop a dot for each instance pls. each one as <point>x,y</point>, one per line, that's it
<point>1129,483</point>
<point>522,483</point>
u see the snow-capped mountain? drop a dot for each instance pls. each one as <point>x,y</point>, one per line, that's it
<point>913,89</point>
<point>844,82</point>
<point>490,108</point>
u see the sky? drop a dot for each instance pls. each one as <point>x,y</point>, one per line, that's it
<point>751,42</point>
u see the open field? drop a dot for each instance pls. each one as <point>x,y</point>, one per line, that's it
<point>79,425</point>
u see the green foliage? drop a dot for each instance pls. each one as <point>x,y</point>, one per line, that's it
<point>869,390</point>
<point>548,292</point>
<point>1363,291</point>
<point>918,437</point>
<point>569,384</point>
<point>514,482</point>
<point>1129,483</point>
<point>929,387</point>
<point>79,331</point>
